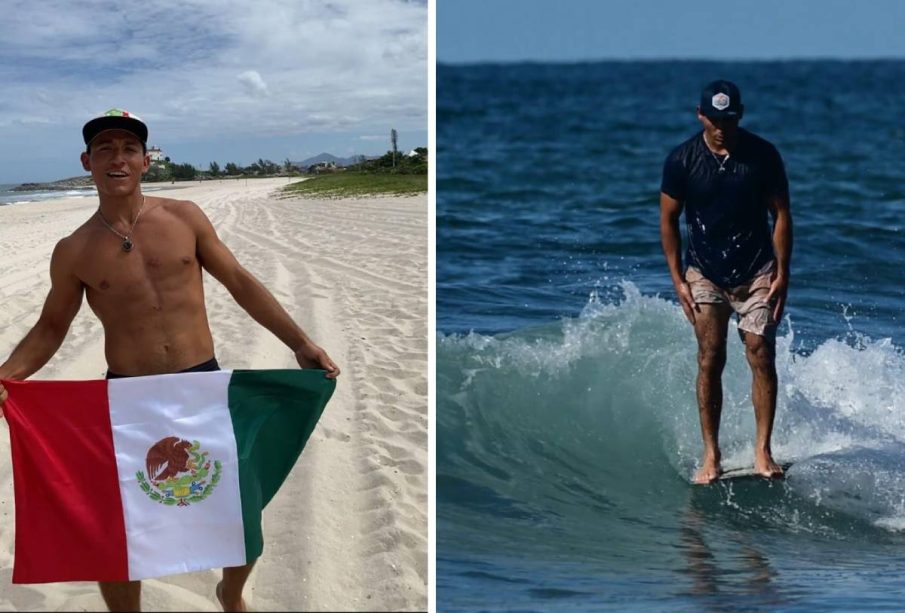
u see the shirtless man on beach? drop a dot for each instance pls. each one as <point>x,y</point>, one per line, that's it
<point>728,180</point>
<point>139,261</point>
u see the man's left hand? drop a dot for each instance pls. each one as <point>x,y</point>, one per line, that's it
<point>779,287</point>
<point>310,355</point>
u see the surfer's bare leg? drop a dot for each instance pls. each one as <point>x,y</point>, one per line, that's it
<point>761,353</point>
<point>121,595</point>
<point>229,591</point>
<point>710,326</point>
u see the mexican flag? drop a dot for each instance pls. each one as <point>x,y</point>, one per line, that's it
<point>148,476</point>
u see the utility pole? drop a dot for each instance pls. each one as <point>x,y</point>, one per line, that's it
<point>393,139</point>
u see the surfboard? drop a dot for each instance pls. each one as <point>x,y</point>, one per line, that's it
<point>747,472</point>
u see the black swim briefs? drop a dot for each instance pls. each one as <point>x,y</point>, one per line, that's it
<point>208,366</point>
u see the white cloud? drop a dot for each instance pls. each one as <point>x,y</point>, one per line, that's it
<point>253,83</point>
<point>342,65</point>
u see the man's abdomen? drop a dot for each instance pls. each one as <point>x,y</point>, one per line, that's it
<point>155,334</point>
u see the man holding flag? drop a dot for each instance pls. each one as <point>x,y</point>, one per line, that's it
<point>139,262</point>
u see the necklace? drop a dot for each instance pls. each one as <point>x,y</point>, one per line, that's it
<point>127,238</point>
<point>722,163</point>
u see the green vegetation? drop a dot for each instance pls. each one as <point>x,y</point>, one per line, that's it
<point>168,171</point>
<point>352,184</point>
<point>391,174</point>
<point>397,163</point>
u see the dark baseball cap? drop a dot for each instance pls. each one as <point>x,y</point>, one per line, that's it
<point>721,99</point>
<point>115,119</point>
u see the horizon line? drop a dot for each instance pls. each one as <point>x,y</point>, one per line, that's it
<point>658,59</point>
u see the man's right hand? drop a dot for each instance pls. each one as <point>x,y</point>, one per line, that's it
<point>3,396</point>
<point>687,301</point>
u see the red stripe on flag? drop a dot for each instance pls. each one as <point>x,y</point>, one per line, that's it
<point>69,513</point>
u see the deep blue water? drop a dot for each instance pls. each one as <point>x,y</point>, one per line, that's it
<point>566,421</point>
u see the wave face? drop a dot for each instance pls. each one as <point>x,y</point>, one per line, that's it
<point>572,443</point>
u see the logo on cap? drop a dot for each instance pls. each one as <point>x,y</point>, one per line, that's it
<point>119,113</point>
<point>720,101</point>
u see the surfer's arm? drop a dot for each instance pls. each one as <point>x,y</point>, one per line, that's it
<point>60,308</point>
<point>671,239</point>
<point>782,233</point>
<point>670,211</point>
<point>781,211</point>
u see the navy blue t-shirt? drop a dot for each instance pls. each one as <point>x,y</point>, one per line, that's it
<point>727,213</point>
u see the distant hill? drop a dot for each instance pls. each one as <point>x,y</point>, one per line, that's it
<point>326,157</point>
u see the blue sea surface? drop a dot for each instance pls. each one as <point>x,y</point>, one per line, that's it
<point>8,195</point>
<point>567,424</point>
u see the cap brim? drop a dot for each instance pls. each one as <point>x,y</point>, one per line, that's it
<point>101,124</point>
<point>722,114</point>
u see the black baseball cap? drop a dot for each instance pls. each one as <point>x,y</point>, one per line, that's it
<point>721,99</point>
<point>115,119</point>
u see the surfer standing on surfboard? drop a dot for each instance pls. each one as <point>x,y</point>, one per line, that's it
<point>729,182</point>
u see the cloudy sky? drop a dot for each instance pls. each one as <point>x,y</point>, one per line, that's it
<point>515,30</point>
<point>225,81</point>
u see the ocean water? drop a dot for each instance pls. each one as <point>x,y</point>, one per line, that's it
<point>567,425</point>
<point>9,196</point>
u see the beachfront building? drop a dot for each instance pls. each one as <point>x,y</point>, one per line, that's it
<point>156,154</point>
<point>323,167</point>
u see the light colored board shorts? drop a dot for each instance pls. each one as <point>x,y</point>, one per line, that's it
<point>749,300</point>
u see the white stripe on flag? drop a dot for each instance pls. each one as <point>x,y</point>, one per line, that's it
<point>164,539</point>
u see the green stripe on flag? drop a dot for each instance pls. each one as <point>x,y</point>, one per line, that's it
<point>273,414</point>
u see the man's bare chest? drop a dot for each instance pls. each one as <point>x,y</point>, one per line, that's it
<point>160,260</point>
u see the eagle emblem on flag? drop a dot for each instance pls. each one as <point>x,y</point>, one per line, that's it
<point>178,472</point>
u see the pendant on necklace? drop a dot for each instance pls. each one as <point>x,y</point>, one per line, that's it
<point>127,244</point>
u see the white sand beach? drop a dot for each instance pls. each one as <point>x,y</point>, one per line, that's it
<point>348,530</point>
